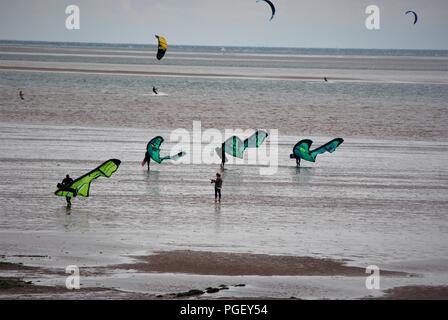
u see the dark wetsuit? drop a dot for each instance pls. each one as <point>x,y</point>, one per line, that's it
<point>21,95</point>
<point>154,89</point>
<point>223,155</point>
<point>65,183</point>
<point>218,187</point>
<point>147,159</point>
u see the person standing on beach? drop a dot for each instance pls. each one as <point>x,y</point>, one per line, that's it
<point>66,183</point>
<point>21,95</point>
<point>147,159</point>
<point>297,157</point>
<point>218,186</point>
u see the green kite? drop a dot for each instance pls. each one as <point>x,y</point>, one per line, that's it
<point>302,149</point>
<point>81,186</point>
<point>153,152</point>
<point>236,147</point>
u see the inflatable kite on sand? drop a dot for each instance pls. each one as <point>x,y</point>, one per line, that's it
<point>153,152</point>
<point>302,149</point>
<point>81,186</point>
<point>236,147</point>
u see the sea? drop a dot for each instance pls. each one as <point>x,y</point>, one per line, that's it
<point>380,199</point>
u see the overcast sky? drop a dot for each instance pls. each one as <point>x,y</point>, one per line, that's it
<point>298,23</point>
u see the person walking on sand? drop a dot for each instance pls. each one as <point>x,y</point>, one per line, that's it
<point>218,186</point>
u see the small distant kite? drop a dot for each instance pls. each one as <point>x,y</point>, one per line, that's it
<point>415,15</point>
<point>272,7</point>
<point>162,47</point>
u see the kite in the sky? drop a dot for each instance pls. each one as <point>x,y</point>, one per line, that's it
<point>153,152</point>
<point>415,15</point>
<point>272,7</point>
<point>302,149</point>
<point>162,47</point>
<point>81,186</point>
<point>236,147</point>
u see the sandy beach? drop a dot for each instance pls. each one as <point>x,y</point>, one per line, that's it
<point>231,265</point>
<point>307,233</point>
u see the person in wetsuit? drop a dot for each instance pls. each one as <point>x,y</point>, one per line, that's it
<point>293,156</point>
<point>147,159</point>
<point>66,183</point>
<point>218,186</point>
<point>154,89</point>
<point>21,95</point>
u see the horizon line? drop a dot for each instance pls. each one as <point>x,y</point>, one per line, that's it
<point>217,46</point>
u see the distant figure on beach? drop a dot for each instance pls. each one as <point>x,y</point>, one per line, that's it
<point>223,155</point>
<point>65,183</point>
<point>298,162</point>
<point>21,95</point>
<point>218,186</point>
<point>153,152</point>
<point>147,159</point>
<point>302,150</point>
<point>154,89</point>
<point>325,79</point>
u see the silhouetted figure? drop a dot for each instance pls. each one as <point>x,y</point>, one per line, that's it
<point>66,183</point>
<point>218,186</point>
<point>147,160</point>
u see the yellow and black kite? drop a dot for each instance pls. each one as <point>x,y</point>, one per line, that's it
<point>162,47</point>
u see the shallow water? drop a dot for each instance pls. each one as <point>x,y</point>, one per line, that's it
<point>380,199</point>
<point>365,202</point>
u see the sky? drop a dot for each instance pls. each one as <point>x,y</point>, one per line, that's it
<point>298,23</point>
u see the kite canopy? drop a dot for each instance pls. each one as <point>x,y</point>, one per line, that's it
<point>302,149</point>
<point>153,151</point>
<point>236,147</point>
<point>81,186</point>
<point>415,15</point>
<point>272,7</point>
<point>162,47</point>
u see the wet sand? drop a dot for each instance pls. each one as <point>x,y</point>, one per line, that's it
<point>238,264</point>
<point>284,235</point>
<point>229,264</point>
<point>169,74</point>
<point>379,199</point>
<point>416,293</point>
